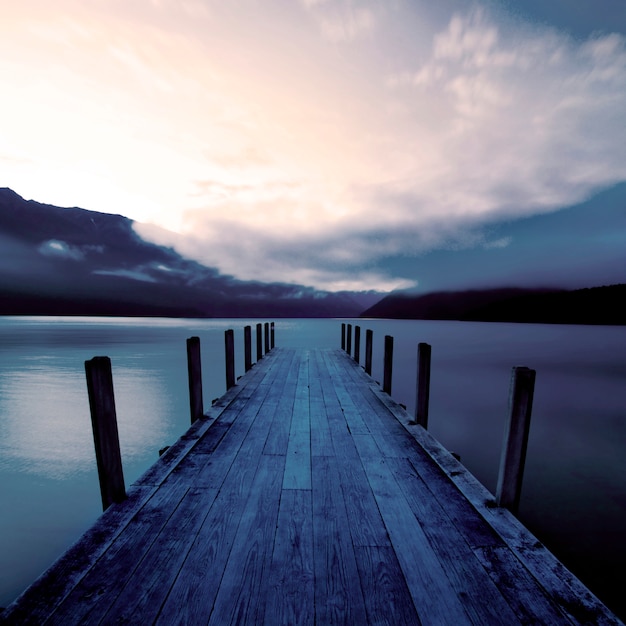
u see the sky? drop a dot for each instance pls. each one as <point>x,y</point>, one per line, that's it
<point>331,143</point>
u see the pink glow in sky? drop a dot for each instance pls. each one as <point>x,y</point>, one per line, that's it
<point>307,140</point>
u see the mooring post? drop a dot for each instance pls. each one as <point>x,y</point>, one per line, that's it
<point>247,347</point>
<point>423,384</point>
<point>105,434</point>
<point>267,337</point>
<point>343,336</point>
<point>259,342</point>
<point>388,364</point>
<point>357,343</point>
<point>229,345</point>
<point>272,336</point>
<point>194,371</point>
<point>516,431</point>
<point>349,339</point>
<point>369,340</point>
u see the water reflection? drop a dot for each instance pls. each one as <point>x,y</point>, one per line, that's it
<point>41,435</point>
<point>46,428</point>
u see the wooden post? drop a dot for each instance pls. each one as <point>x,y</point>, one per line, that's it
<point>272,336</point>
<point>357,343</point>
<point>369,340</point>
<point>267,337</point>
<point>388,364</point>
<point>194,371</point>
<point>515,438</point>
<point>349,339</point>
<point>259,342</point>
<point>229,344</point>
<point>343,336</point>
<point>247,347</point>
<point>423,384</point>
<point>105,435</point>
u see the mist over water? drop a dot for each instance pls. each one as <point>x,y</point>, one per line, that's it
<point>574,492</point>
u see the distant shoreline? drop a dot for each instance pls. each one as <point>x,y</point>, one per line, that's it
<point>595,306</point>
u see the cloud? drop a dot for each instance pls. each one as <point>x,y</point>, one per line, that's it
<point>342,20</point>
<point>137,274</point>
<point>496,122</point>
<point>59,249</point>
<point>499,122</point>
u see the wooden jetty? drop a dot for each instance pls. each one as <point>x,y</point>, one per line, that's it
<point>303,496</point>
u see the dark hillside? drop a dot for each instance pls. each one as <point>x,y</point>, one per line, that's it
<point>58,261</point>
<point>597,305</point>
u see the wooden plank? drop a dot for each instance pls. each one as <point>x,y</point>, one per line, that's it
<point>247,419</point>
<point>358,497</point>
<point>290,598</point>
<point>341,386</point>
<point>278,437</point>
<point>522,591</point>
<point>476,531</point>
<point>298,463</point>
<point>435,598</point>
<point>143,595</point>
<point>193,594</point>
<point>298,468</point>
<point>342,444</point>
<point>241,589</point>
<point>387,597</point>
<point>484,603</point>
<point>338,595</point>
<point>350,379</point>
<point>321,437</point>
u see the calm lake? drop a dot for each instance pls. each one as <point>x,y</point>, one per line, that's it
<point>574,493</point>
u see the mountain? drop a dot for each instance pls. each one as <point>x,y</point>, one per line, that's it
<point>70,261</point>
<point>597,305</point>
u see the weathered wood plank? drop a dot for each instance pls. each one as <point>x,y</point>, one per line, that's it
<point>321,437</point>
<point>298,468</point>
<point>144,594</point>
<point>290,598</point>
<point>435,598</point>
<point>358,497</point>
<point>342,443</point>
<point>387,597</point>
<point>298,464</point>
<point>193,594</point>
<point>340,384</point>
<point>278,437</point>
<point>246,419</point>
<point>476,531</point>
<point>522,591</point>
<point>338,595</point>
<point>389,435</point>
<point>240,591</point>
<point>465,572</point>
